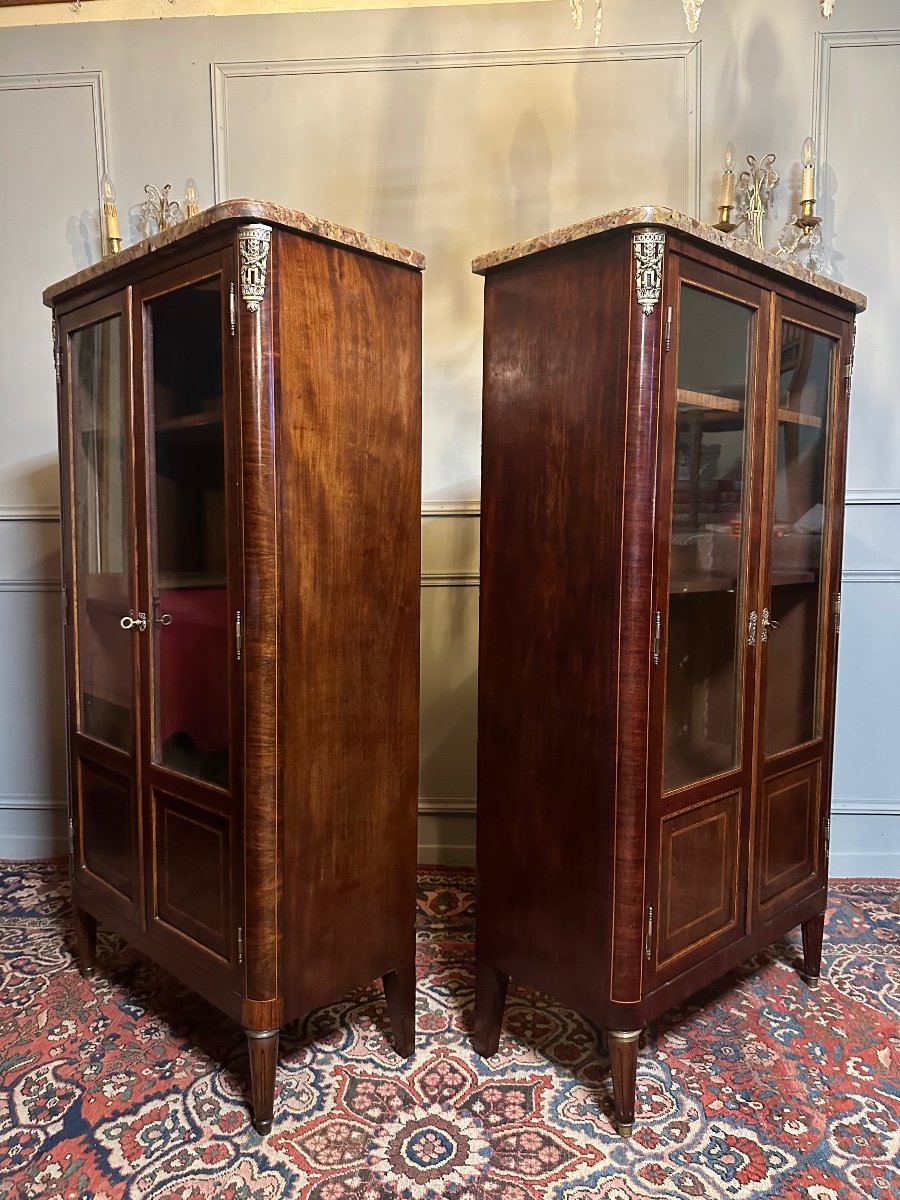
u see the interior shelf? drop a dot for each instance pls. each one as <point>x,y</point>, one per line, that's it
<point>683,584</point>
<point>727,404</point>
<point>200,420</point>
<point>709,400</point>
<point>799,418</point>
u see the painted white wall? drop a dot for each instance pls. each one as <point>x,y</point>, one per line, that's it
<point>454,131</point>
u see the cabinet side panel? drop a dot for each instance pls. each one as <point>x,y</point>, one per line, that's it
<point>553,444</point>
<point>349,409</point>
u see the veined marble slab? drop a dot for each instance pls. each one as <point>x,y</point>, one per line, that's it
<point>668,219</point>
<point>241,210</point>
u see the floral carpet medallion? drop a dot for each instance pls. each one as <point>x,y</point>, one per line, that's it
<point>128,1086</point>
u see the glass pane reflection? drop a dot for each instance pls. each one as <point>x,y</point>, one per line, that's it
<point>190,616</point>
<point>704,646</point>
<point>792,675</point>
<point>102,542</point>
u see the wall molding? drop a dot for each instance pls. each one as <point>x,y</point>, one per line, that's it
<point>855,807</point>
<point>451,508</point>
<point>873,496</point>
<point>29,512</point>
<point>71,79</point>
<point>450,579</point>
<point>687,52</point>
<point>873,575</point>
<point>33,803</point>
<point>439,806</point>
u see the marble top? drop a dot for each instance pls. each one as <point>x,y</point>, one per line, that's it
<point>668,218</point>
<point>241,210</point>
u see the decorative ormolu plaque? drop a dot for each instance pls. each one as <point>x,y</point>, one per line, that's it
<point>254,243</point>
<point>648,251</point>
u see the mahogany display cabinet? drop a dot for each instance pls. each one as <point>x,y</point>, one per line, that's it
<point>664,443</point>
<point>240,433</point>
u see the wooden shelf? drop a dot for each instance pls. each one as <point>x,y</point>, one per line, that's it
<point>799,418</point>
<point>708,400</point>
<point>680,585</point>
<point>180,581</point>
<point>786,578</point>
<point>201,420</point>
<point>726,404</point>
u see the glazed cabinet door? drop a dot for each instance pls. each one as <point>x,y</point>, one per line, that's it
<point>802,529</point>
<point>192,748</point>
<point>104,614</point>
<point>702,644</point>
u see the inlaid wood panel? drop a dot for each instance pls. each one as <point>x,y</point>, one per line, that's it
<point>788,831</point>
<point>193,886</point>
<point>698,852</point>
<point>108,827</point>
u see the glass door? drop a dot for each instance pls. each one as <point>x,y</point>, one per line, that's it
<point>798,611</point>
<point>704,630</point>
<point>99,525</point>
<point>193,611</point>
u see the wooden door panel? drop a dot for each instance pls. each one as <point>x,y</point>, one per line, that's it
<point>107,825</point>
<point>698,866</point>
<point>193,893</point>
<point>789,833</point>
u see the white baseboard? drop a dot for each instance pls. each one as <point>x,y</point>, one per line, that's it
<point>33,832</point>
<point>863,845</point>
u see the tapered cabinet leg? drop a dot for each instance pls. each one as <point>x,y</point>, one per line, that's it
<point>490,998</point>
<point>86,942</point>
<point>623,1052</point>
<point>812,931</point>
<point>263,1046</point>
<point>400,995</point>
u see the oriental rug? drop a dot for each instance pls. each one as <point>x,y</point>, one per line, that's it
<point>128,1086</point>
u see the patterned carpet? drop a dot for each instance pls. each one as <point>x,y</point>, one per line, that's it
<point>129,1086</point>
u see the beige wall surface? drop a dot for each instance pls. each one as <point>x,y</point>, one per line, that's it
<point>454,130</point>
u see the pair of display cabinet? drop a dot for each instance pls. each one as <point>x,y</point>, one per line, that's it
<point>665,417</point>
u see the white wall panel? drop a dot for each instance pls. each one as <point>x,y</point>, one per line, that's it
<point>454,131</point>
<point>454,155</point>
<point>51,130</point>
<point>858,87</point>
<point>32,732</point>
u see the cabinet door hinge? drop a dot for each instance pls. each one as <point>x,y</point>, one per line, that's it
<point>667,340</point>
<point>648,940</point>
<point>65,604</point>
<point>827,835</point>
<point>232,304</point>
<point>240,944</point>
<point>71,837</point>
<point>837,612</point>
<point>657,635</point>
<point>238,635</point>
<point>55,350</point>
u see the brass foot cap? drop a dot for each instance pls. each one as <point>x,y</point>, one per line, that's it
<point>812,981</point>
<point>263,1127</point>
<point>624,1130</point>
<point>88,972</point>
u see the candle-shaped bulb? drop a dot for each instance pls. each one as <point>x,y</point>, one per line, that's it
<point>110,213</point>
<point>726,195</point>
<point>191,200</point>
<point>808,158</point>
